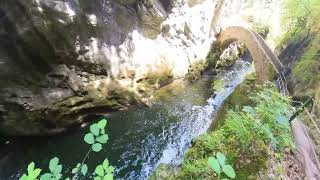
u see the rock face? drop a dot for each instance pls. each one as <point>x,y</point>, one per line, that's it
<point>62,60</point>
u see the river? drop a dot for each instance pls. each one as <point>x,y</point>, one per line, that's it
<point>140,138</point>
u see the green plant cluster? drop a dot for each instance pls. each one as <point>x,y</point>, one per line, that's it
<point>219,165</point>
<point>261,29</point>
<point>300,23</point>
<point>247,137</point>
<point>55,170</point>
<point>95,138</point>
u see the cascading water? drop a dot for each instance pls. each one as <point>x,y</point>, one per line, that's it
<point>141,138</point>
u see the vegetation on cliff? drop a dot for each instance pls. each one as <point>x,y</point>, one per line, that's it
<point>301,23</point>
<point>300,49</point>
<point>249,137</point>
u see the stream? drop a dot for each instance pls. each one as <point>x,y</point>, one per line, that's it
<point>140,138</point>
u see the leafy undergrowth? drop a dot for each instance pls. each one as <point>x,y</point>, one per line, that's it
<point>252,138</point>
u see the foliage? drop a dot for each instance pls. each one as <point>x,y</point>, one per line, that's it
<point>307,69</point>
<point>246,137</point>
<point>55,170</point>
<point>301,20</point>
<point>104,171</point>
<point>302,25</point>
<point>218,164</point>
<point>300,17</point>
<point>95,138</point>
<point>97,135</point>
<point>32,172</point>
<point>261,29</point>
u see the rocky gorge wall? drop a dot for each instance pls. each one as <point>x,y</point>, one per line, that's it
<point>63,60</point>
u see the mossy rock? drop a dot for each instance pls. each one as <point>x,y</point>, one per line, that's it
<point>151,15</point>
<point>238,98</point>
<point>196,70</point>
<point>218,84</point>
<point>164,171</point>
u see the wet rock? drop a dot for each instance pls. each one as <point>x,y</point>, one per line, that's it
<point>197,69</point>
<point>230,55</point>
<point>151,14</point>
<point>218,84</point>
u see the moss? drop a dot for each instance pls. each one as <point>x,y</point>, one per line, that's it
<point>197,69</point>
<point>164,171</point>
<point>237,99</point>
<point>218,84</point>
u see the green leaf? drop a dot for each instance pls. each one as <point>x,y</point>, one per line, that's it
<point>249,109</point>
<point>67,179</point>
<point>282,119</point>
<point>228,170</point>
<point>102,123</point>
<point>35,173</point>
<point>96,147</point>
<point>57,170</point>
<point>58,176</point>
<point>84,169</point>
<point>105,164</point>
<point>102,139</point>
<point>102,131</point>
<point>94,128</point>
<point>97,178</point>
<point>110,169</point>
<point>75,170</point>
<point>214,164</point>
<point>24,177</point>
<point>89,138</point>
<point>221,158</point>
<point>108,177</point>
<point>53,164</point>
<point>99,170</point>
<point>46,176</point>
<point>31,167</point>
